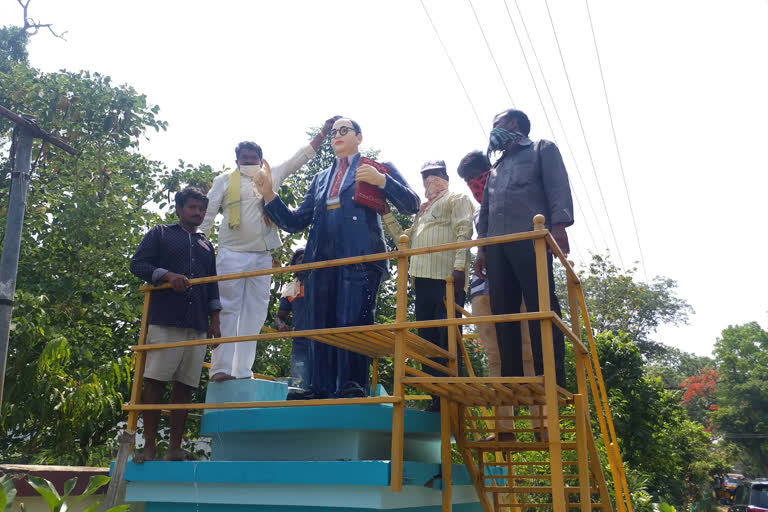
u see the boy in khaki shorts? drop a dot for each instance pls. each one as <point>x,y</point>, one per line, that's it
<point>175,253</point>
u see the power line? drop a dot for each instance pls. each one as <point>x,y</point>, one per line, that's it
<point>546,116</point>
<point>487,45</point>
<point>560,123</point>
<point>474,110</point>
<point>616,141</point>
<point>583,133</point>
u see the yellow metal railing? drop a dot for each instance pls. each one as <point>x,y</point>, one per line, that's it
<point>394,340</point>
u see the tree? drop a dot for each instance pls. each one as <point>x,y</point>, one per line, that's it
<point>673,366</point>
<point>76,309</point>
<point>699,394</point>
<point>618,303</point>
<point>741,356</point>
<point>13,47</point>
<point>658,440</point>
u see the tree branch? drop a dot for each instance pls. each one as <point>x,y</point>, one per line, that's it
<point>32,27</point>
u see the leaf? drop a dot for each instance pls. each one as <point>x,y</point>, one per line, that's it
<point>68,486</point>
<point>47,490</point>
<point>7,492</point>
<point>94,484</point>
<point>118,508</point>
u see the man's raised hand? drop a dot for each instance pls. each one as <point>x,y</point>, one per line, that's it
<point>263,182</point>
<point>318,139</point>
<point>328,125</point>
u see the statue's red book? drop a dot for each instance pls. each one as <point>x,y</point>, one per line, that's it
<point>369,195</point>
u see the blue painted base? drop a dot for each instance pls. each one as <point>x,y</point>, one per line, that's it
<point>245,390</point>
<point>361,485</point>
<point>292,459</point>
<point>344,432</point>
<point>205,507</point>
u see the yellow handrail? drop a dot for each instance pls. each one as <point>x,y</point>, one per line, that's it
<point>394,339</point>
<point>402,252</point>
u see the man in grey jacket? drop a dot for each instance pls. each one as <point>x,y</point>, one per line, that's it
<point>527,179</point>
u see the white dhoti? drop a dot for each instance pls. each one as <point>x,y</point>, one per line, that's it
<point>244,305</point>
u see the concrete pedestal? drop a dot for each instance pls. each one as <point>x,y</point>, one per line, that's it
<point>295,459</point>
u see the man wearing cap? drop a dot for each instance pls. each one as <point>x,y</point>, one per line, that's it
<point>246,238</point>
<point>526,180</point>
<point>339,227</point>
<point>445,217</point>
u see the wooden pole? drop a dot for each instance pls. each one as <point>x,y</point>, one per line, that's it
<point>445,403</point>
<point>375,376</point>
<point>398,388</point>
<point>445,454</point>
<point>26,129</point>
<point>550,378</point>
<point>582,456</point>
<point>580,357</point>
<point>14,223</point>
<point>128,438</point>
<point>609,436</point>
<point>138,370</point>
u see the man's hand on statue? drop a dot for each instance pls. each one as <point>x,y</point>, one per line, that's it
<point>179,282</point>
<point>263,182</point>
<point>480,267</point>
<point>368,174</point>
<point>328,125</point>
<point>561,237</point>
<point>318,139</point>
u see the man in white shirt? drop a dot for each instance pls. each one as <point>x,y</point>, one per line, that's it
<point>246,237</point>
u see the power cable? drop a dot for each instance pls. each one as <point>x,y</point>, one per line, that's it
<point>546,116</point>
<point>616,141</point>
<point>474,110</point>
<point>560,123</point>
<point>584,134</point>
<point>487,45</point>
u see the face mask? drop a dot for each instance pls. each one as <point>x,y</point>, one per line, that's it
<point>434,185</point>
<point>477,185</point>
<point>500,139</point>
<point>249,170</point>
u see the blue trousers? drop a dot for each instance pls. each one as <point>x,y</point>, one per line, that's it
<point>340,297</point>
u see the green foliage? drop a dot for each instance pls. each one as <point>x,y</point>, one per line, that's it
<point>76,308</point>
<point>741,356</point>
<point>60,503</point>
<point>666,507</point>
<point>618,303</point>
<point>7,493</point>
<point>657,438</point>
<point>673,366</point>
<point>13,47</point>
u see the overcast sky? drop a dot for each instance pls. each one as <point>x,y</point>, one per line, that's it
<point>686,80</point>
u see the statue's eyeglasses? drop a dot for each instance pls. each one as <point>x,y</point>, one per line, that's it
<point>341,132</point>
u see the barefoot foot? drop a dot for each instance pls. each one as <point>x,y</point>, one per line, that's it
<point>145,455</point>
<point>177,454</point>
<point>221,377</point>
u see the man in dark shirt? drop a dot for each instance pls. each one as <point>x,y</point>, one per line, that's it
<point>175,253</point>
<point>528,179</point>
